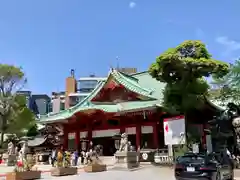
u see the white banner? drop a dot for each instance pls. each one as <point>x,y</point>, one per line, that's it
<point>105,133</point>
<point>174,130</point>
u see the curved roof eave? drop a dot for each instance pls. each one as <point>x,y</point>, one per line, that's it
<point>131,84</point>
<point>216,104</point>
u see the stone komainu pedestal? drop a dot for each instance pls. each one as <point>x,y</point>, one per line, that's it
<point>126,160</point>
<point>63,171</point>
<point>11,161</point>
<point>95,167</point>
<point>42,158</point>
<point>25,175</point>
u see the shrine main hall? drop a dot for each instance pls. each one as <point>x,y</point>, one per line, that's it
<point>120,104</point>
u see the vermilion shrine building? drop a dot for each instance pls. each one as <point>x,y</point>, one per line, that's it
<point>122,103</point>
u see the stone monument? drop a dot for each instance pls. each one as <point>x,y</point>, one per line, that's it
<point>126,159</point>
<point>11,160</point>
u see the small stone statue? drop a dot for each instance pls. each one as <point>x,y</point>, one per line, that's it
<point>236,126</point>
<point>24,149</point>
<point>16,150</point>
<point>124,144</point>
<point>11,154</point>
<point>11,148</point>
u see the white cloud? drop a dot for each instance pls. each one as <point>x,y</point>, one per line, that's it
<point>132,4</point>
<point>229,44</point>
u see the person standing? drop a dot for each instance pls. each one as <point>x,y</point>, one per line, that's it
<point>53,157</point>
<point>75,157</point>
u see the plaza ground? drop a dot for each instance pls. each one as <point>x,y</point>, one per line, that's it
<point>147,171</point>
<point>142,174</point>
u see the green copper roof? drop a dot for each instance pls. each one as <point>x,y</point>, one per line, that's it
<point>221,105</point>
<point>129,82</point>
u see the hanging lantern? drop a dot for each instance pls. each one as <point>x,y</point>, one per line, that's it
<point>84,144</point>
<point>90,145</point>
<point>117,139</point>
<point>144,115</point>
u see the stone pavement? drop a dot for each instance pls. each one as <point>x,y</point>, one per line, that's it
<point>151,172</point>
<point>155,173</point>
<point>147,171</point>
<point>109,161</point>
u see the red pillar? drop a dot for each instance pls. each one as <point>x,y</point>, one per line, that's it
<point>77,139</point>
<point>155,135</point>
<point>138,137</point>
<point>65,137</point>
<point>89,136</point>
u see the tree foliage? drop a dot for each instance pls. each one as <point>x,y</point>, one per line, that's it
<point>183,69</point>
<point>228,86</point>
<point>21,118</point>
<point>14,115</point>
<point>32,131</point>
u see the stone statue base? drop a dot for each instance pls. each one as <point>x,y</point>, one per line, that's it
<point>12,159</point>
<point>126,160</point>
<point>95,167</point>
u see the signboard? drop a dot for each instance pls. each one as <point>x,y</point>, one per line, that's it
<point>174,130</point>
<point>209,143</point>
<point>195,148</point>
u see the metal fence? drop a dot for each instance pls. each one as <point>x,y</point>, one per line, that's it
<point>156,156</point>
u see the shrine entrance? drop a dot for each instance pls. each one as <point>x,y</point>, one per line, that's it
<point>107,143</point>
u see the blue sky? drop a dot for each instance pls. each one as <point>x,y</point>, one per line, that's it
<point>49,37</point>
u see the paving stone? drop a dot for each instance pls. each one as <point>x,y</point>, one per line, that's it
<point>142,174</point>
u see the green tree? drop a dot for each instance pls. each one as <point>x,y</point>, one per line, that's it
<point>32,131</point>
<point>183,69</point>
<point>14,115</point>
<point>21,118</point>
<point>228,86</point>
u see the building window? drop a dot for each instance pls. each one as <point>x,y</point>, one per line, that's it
<point>86,86</point>
<point>73,100</point>
<point>80,98</point>
<point>50,107</point>
<point>62,106</point>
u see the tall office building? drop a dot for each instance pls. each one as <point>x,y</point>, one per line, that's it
<point>85,85</point>
<point>38,103</point>
<point>57,102</point>
<point>75,91</point>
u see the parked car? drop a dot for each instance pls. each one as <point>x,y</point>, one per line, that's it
<point>214,166</point>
